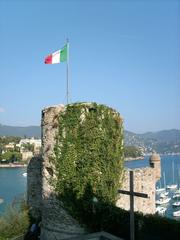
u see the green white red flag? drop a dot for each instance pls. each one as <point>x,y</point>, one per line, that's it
<point>58,56</point>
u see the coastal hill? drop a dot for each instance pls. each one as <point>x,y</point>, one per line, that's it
<point>165,141</point>
<point>30,131</point>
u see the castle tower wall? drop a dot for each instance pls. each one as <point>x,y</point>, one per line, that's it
<point>56,222</point>
<point>144,182</point>
<point>34,187</point>
<point>155,163</point>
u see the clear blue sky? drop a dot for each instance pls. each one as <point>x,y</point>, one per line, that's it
<point>125,54</point>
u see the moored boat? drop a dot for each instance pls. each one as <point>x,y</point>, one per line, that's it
<point>164,194</point>
<point>162,201</point>
<point>176,204</point>
<point>177,191</point>
<point>161,210</point>
<point>172,186</point>
<point>176,196</point>
<point>176,213</point>
<point>160,190</point>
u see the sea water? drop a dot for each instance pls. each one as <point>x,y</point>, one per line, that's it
<point>12,185</point>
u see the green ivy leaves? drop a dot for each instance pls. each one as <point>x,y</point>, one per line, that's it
<point>88,155</point>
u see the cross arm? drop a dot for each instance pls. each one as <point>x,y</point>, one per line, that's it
<point>143,195</point>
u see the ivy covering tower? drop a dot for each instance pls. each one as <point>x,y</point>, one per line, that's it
<point>88,156</point>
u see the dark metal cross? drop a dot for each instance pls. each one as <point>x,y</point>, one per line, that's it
<point>132,194</point>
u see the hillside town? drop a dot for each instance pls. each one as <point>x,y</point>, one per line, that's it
<point>15,150</point>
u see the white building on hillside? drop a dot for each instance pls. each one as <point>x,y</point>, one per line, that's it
<point>32,141</point>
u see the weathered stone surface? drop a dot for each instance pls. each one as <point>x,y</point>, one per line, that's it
<point>34,186</point>
<point>49,128</point>
<point>144,182</point>
<point>155,162</point>
<point>56,222</point>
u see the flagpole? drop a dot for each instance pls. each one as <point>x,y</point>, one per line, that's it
<point>67,70</point>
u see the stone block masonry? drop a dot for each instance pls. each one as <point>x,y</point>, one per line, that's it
<point>34,187</point>
<point>56,222</point>
<point>144,182</point>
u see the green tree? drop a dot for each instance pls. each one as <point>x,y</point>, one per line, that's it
<point>28,147</point>
<point>132,152</point>
<point>12,156</point>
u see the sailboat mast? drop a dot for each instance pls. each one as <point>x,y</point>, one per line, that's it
<point>173,170</point>
<point>164,180</point>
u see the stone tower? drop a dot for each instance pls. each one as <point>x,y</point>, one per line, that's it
<point>144,181</point>
<point>155,162</point>
<point>42,196</point>
<point>56,222</point>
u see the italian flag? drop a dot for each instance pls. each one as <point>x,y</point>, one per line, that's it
<point>58,56</point>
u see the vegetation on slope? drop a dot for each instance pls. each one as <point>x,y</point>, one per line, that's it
<point>132,152</point>
<point>114,220</point>
<point>15,220</point>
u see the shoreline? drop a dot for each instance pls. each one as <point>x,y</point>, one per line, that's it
<point>147,155</point>
<point>133,159</point>
<point>11,165</point>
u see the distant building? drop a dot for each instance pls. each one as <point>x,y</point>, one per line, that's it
<point>27,155</point>
<point>35,142</point>
<point>9,146</point>
<point>32,141</point>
